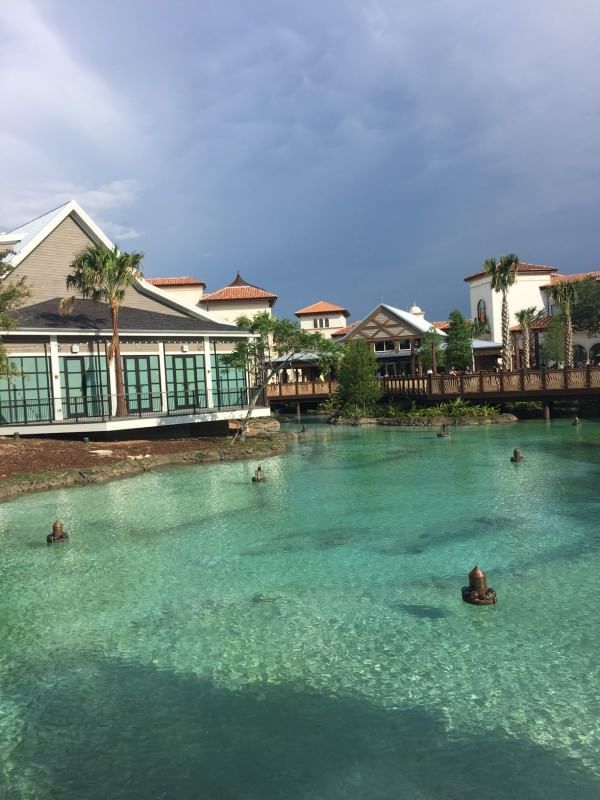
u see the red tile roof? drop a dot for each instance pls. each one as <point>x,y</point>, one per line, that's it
<point>322,307</point>
<point>442,326</point>
<point>185,281</point>
<point>239,289</point>
<point>343,331</point>
<point>522,266</point>
<point>576,276</point>
<point>539,325</point>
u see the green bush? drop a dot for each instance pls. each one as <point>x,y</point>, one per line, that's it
<point>453,408</point>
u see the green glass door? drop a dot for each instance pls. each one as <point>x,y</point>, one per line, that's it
<point>142,384</point>
<point>187,382</point>
<point>84,383</point>
<point>75,388</point>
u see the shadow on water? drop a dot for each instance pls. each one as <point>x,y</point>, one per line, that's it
<point>364,463</point>
<point>482,526</point>
<point>114,730</point>
<point>421,612</point>
<point>306,540</point>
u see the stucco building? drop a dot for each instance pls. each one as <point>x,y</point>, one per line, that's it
<point>323,317</point>
<point>531,289</point>
<point>183,289</point>
<point>238,299</point>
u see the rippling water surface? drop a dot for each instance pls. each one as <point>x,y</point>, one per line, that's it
<point>201,636</point>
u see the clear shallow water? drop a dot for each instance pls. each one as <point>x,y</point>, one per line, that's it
<point>202,636</point>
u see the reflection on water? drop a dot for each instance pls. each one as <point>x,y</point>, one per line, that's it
<point>306,638</point>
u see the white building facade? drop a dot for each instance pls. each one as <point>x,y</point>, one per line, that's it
<point>530,290</point>
<point>323,317</point>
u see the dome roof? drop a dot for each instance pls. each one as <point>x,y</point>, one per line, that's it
<point>414,309</point>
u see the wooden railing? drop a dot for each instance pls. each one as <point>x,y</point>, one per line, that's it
<point>304,389</point>
<point>523,383</point>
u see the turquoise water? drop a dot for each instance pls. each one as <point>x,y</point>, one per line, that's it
<point>205,637</point>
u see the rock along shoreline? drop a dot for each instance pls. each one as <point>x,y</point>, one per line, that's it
<point>258,448</point>
<point>426,422</point>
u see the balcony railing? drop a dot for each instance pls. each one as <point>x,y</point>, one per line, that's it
<point>99,408</point>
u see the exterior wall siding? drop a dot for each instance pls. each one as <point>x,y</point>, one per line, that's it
<point>47,267</point>
<point>14,348</point>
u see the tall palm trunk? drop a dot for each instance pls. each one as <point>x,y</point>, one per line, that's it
<point>506,344</point>
<point>568,323</point>
<point>116,354</point>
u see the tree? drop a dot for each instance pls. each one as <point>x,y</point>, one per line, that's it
<point>274,345</point>
<point>12,295</point>
<point>502,273</point>
<point>553,342</point>
<point>563,295</point>
<point>430,349</point>
<point>104,275</point>
<point>526,318</point>
<point>586,308</point>
<point>459,344</point>
<point>358,386</point>
<point>479,328</point>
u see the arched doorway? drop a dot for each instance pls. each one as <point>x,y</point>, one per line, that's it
<point>595,354</point>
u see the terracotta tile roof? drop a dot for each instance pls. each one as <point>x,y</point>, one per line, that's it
<point>322,307</point>
<point>239,289</point>
<point>539,325</point>
<point>442,326</point>
<point>343,331</point>
<point>522,266</point>
<point>576,276</point>
<point>184,281</point>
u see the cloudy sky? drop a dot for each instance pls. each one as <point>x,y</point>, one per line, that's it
<point>348,150</point>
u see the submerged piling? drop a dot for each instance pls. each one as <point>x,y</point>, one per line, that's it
<point>477,592</point>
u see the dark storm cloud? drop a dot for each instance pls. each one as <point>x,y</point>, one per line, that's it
<point>352,151</point>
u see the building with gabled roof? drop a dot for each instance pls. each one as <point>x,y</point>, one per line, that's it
<point>172,354</point>
<point>395,337</point>
<point>326,318</point>
<point>238,299</point>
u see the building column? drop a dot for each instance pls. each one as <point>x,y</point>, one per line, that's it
<point>112,381</point>
<point>55,377</point>
<point>164,400</point>
<point>208,373</point>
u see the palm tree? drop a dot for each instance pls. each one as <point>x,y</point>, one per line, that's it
<point>563,295</point>
<point>103,275</point>
<point>479,328</point>
<point>502,274</point>
<point>526,318</point>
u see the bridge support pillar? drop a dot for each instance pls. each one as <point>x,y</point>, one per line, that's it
<point>298,411</point>
<point>547,410</point>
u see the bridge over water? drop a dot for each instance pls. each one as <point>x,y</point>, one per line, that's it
<point>535,384</point>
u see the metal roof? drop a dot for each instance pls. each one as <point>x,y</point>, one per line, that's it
<point>420,323</point>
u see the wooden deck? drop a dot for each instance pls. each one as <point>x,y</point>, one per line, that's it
<point>543,384</point>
